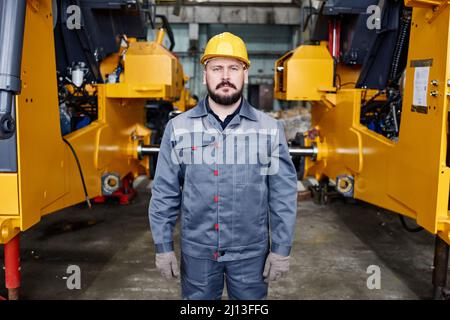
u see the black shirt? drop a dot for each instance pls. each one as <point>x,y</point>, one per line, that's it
<point>228,118</point>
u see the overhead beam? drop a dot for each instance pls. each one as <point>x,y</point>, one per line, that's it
<point>233,14</point>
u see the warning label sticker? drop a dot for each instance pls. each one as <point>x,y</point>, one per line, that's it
<point>421,75</point>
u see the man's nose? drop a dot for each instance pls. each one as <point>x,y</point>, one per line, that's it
<point>225,74</point>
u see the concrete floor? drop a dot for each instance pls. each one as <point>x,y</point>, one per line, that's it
<point>334,245</point>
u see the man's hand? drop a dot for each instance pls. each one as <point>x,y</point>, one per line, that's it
<point>276,266</point>
<point>167,264</point>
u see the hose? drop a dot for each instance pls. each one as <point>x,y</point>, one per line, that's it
<point>81,173</point>
<point>402,39</point>
<point>406,227</point>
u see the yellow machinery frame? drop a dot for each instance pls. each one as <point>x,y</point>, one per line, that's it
<point>47,178</point>
<point>409,176</point>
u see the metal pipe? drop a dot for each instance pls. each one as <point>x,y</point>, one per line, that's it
<point>149,150</point>
<point>441,250</point>
<point>394,116</point>
<point>303,152</point>
<point>12,26</point>
<point>160,36</point>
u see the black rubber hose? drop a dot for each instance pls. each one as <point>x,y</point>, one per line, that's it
<point>402,39</point>
<point>166,25</point>
<point>406,227</point>
<point>380,92</point>
<point>81,172</point>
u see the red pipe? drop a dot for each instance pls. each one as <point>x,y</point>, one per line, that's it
<point>12,263</point>
<point>338,40</point>
<point>330,37</point>
<point>334,37</point>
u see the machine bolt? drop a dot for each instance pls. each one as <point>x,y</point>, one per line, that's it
<point>435,83</point>
<point>434,93</point>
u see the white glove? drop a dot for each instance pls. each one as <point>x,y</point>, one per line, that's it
<point>167,264</point>
<point>276,267</point>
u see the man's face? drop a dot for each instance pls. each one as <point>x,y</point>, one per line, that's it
<point>225,78</point>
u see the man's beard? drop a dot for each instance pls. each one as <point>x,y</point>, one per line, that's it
<point>228,99</point>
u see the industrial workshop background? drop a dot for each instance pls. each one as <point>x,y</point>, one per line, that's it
<point>361,88</point>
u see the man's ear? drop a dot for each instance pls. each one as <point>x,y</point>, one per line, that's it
<point>246,76</point>
<point>204,76</point>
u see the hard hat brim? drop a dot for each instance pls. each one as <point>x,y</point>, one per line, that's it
<point>208,57</point>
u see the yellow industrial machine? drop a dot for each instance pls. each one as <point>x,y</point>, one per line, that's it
<point>42,171</point>
<point>380,119</point>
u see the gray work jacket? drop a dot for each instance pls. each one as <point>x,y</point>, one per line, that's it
<point>235,190</point>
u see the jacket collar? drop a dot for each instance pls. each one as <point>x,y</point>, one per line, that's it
<point>246,110</point>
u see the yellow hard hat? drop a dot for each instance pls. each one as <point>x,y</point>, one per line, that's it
<point>226,45</point>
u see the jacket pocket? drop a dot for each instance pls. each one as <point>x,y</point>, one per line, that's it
<point>248,214</point>
<point>196,152</point>
<point>249,174</point>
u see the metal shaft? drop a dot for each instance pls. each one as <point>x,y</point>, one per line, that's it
<point>303,152</point>
<point>149,150</point>
<point>12,25</point>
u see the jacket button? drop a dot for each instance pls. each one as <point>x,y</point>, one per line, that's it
<point>194,148</point>
<point>216,226</point>
<point>216,254</point>
<point>216,172</point>
<point>216,198</point>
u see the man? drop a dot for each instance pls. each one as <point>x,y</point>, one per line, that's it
<point>232,206</point>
